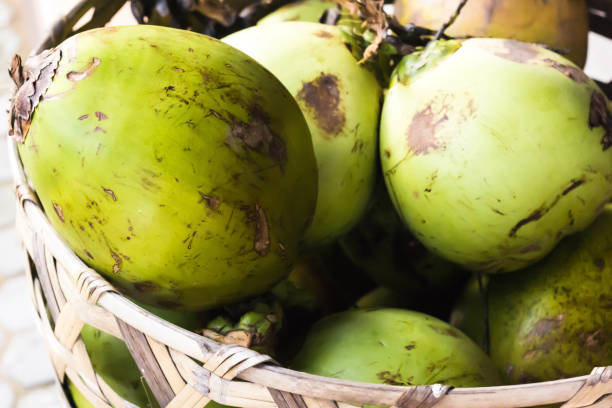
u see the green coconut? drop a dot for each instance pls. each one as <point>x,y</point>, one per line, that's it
<point>339,99</point>
<point>303,10</point>
<point>170,162</point>
<point>396,347</point>
<point>382,297</point>
<point>493,150</point>
<point>469,314</point>
<point>554,320</point>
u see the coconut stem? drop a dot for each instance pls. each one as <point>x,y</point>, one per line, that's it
<point>450,21</point>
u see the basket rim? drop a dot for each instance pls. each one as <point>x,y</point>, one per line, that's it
<point>269,375</point>
<point>314,386</point>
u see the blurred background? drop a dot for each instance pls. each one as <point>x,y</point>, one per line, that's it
<point>26,376</point>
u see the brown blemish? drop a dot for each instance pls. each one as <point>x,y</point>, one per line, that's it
<point>59,211</point>
<point>89,254</point>
<point>599,115</point>
<point>599,263</point>
<point>534,216</point>
<point>261,243</point>
<point>168,304</point>
<point>101,116</point>
<point>146,286</point>
<point>445,331</point>
<point>592,341</point>
<point>110,193</point>
<point>410,346</point>
<point>83,117</point>
<point>90,68</point>
<point>177,69</point>
<point>323,34</point>
<point>393,379</point>
<point>322,97</point>
<point>517,51</point>
<point>544,326</point>
<point>573,73</point>
<point>99,129</point>
<point>531,248</point>
<point>358,146</point>
<point>257,135</point>
<point>118,261</point>
<point>212,202</point>
<point>421,136</point>
<point>387,153</point>
<point>574,184</point>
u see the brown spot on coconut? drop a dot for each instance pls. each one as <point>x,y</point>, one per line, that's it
<point>59,211</point>
<point>118,261</point>
<point>257,135</point>
<point>146,286</point>
<point>421,135</point>
<point>101,116</point>
<point>544,326</point>
<point>573,73</point>
<point>323,34</point>
<point>212,202</point>
<point>599,115</point>
<point>261,242</point>
<point>322,97</point>
<point>110,192</point>
<point>512,50</point>
<point>90,68</point>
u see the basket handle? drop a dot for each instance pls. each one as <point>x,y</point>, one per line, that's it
<point>64,28</point>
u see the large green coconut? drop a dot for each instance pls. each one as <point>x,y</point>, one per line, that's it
<point>170,162</point>
<point>339,98</point>
<point>469,314</point>
<point>302,10</point>
<point>554,320</point>
<point>493,150</point>
<point>394,346</point>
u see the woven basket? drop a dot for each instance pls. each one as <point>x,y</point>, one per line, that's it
<point>67,294</point>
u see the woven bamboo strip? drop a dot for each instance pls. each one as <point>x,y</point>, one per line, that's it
<point>172,374</point>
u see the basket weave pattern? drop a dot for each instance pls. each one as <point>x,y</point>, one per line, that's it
<point>67,294</point>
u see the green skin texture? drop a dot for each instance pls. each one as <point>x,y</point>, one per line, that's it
<point>180,228</point>
<point>394,346</point>
<point>554,320</point>
<point>305,10</point>
<point>345,150</point>
<point>381,297</point>
<point>490,161</point>
<point>112,360</point>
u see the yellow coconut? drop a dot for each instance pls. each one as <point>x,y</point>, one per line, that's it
<point>560,24</point>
